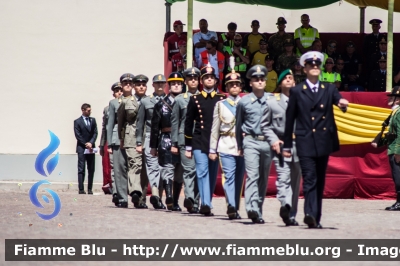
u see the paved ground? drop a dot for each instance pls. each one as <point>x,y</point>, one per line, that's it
<point>94,216</point>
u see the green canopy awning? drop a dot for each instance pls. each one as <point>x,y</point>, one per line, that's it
<point>285,4</point>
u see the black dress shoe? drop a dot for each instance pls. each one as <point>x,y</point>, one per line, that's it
<point>236,216</point>
<point>231,212</point>
<point>310,221</point>
<point>90,192</point>
<point>258,220</point>
<point>188,204</point>
<point>156,202</point>
<point>284,213</point>
<point>395,207</point>
<point>115,199</point>
<point>205,210</point>
<point>252,214</point>
<point>176,208</point>
<point>319,226</point>
<point>291,222</point>
<point>194,210</point>
<point>122,205</point>
<point>82,192</point>
<point>135,198</point>
<point>141,205</point>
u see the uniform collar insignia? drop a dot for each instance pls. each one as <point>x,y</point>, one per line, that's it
<point>322,86</point>
<point>304,87</point>
<point>185,95</point>
<point>213,94</point>
<point>230,101</point>
<point>204,94</point>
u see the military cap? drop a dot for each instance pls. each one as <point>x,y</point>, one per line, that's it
<point>126,76</point>
<point>159,78</point>
<point>311,57</point>
<point>383,40</point>
<point>175,76</point>
<point>116,85</point>
<point>395,91</point>
<point>268,57</point>
<point>140,78</point>
<point>350,44</point>
<point>281,20</point>
<point>232,77</point>
<point>375,21</point>
<point>257,71</point>
<point>191,72</point>
<point>284,74</point>
<point>207,70</point>
<point>382,59</point>
<point>288,42</point>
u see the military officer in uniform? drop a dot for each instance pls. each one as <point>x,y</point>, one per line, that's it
<point>277,40</point>
<point>160,143</point>
<point>252,143</point>
<point>377,80</point>
<point>223,141</point>
<point>107,157</point>
<point>178,117</point>
<point>200,115</point>
<point>288,170</point>
<point>371,41</point>
<point>311,108</point>
<point>127,117</point>
<point>119,160</point>
<point>144,126</point>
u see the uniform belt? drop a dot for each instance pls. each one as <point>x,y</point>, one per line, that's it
<point>230,134</point>
<point>257,137</point>
<point>166,130</point>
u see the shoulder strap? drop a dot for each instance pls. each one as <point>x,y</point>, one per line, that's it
<point>169,106</point>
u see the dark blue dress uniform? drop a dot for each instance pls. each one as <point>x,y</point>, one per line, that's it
<point>200,116</point>
<point>377,80</point>
<point>316,137</point>
<point>371,41</point>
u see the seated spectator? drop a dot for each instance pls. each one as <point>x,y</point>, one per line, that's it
<point>377,80</point>
<point>213,57</point>
<point>200,38</point>
<point>258,58</point>
<point>240,54</point>
<point>353,67</point>
<point>277,40</point>
<point>174,39</point>
<point>272,76</point>
<point>330,50</point>
<point>328,75</point>
<point>225,40</point>
<point>287,59</point>
<point>298,73</point>
<point>373,63</point>
<point>179,59</point>
<point>251,40</point>
<point>339,68</point>
<point>305,35</point>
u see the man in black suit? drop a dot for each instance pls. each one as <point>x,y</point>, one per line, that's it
<point>85,129</point>
<point>311,107</point>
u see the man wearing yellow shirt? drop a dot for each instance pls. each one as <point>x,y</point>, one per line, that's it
<point>305,35</point>
<point>251,40</point>
<point>258,58</point>
<point>272,76</point>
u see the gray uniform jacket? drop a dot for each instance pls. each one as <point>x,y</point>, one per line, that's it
<point>274,119</point>
<point>178,118</point>
<point>143,124</point>
<point>112,123</point>
<point>127,117</point>
<point>103,138</point>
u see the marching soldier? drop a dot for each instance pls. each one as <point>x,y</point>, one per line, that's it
<point>311,108</point>
<point>178,117</point>
<point>371,41</point>
<point>107,157</point>
<point>252,143</point>
<point>118,155</point>
<point>127,116</point>
<point>288,169</point>
<point>144,125</point>
<point>160,143</point>
<point>199,115</point>
<point>223,141</point>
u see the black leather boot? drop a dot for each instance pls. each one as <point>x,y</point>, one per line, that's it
<point>169,201</point>
<point>177,191</point>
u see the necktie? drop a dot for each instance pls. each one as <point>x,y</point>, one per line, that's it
<point>87,122</point>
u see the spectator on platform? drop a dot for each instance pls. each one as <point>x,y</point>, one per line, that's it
<point>330,50</point>
<point>377,80</point>
<point>174,39</point>
<point>213,57</point>
<point>305,35</point>
<point>200,38</point>
<point>276,41</point>
<point>371,41</point>
<point>353,67</point>
<point>339,68</point>
<point>329,75</point>
<point>252,39</point>
<point>374,59</point>
<point>272,76</point>
<point>257,58</point>
<point>225,40</point>
<point>179,59</point>
<point>298,73</point>
<point>240,54</point>
<point>287,59</point>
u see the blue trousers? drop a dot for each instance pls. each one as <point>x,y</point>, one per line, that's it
<point>206,171</point>
<point>233,169</point>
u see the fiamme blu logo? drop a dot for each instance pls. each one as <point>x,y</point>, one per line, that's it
<point>50,166</point>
